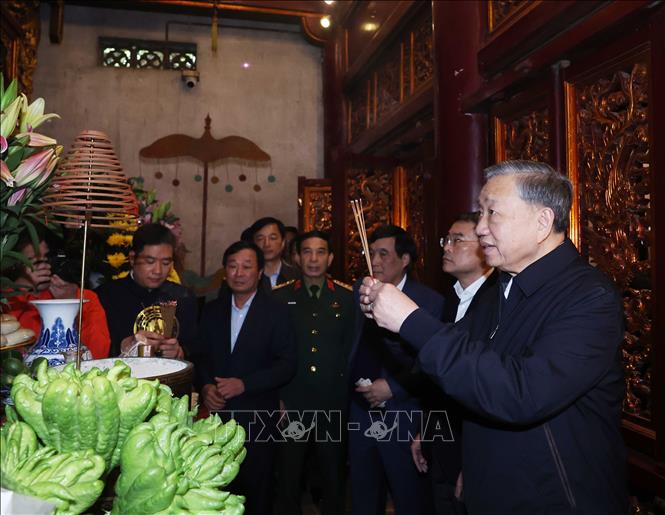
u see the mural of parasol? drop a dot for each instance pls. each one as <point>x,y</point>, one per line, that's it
<point>208,150</point>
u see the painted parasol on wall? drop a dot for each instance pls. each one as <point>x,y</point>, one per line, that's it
<point>208,150</point>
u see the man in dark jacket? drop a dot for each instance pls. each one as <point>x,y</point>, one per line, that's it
<point>440,454</point>
<point>145,289</point>
<point>382,461</point>
<point>247,353</point>
<point>542,373</point>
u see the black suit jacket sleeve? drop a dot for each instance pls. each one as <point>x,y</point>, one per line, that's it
<point>282,346</point>
<point>565,359</point>
<point>410,381</point>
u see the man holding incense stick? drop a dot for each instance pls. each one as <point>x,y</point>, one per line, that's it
<point>542,374</point>
<point>386,390</point>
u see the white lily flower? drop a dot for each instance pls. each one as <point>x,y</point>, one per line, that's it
<point>32,116</point>
<point>10,117</point>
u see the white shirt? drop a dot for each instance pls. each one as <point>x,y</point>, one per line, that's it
<point>273,277</point>
<point>401,284</point>
<point>238,316</point>
<point>466,294</point>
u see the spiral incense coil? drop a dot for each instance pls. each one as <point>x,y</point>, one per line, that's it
<point>90,180</point>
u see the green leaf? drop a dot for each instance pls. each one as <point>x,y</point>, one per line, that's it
<point>14,157</point>
<point>16,256</point>
<point>8,242</point>
<point>34,238</point>
<point>8,95</point>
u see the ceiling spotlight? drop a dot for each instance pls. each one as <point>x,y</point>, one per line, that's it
<point>329,2</point>
<point>245,65</point>
<point>325,22</point>
<point>370,26</point>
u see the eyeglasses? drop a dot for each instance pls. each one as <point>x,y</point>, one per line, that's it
<point>454,241</point>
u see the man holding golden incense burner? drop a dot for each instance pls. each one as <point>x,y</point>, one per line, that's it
<point>144,308</point>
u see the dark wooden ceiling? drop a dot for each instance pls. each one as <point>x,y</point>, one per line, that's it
<point>267,10</point>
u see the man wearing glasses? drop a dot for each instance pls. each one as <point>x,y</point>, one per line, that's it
<point>151,258</point>
<point>440,454</point>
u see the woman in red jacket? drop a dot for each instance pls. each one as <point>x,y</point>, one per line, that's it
<point>43,285</point>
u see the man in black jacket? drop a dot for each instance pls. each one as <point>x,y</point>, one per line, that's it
<point>440,454</point>
<point>146,286</point>
<point>542,372</point>
<point>247,352</point>
<point>382,462</point>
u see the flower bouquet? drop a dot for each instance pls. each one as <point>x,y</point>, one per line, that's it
<point>27,162</point>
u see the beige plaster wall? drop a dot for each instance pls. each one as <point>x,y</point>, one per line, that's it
<point>276,103</point>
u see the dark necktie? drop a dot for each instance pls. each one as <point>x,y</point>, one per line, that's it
<point>314,289</point>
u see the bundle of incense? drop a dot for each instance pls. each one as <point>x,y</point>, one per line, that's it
<point>167,309</point>
<point>358,215</point>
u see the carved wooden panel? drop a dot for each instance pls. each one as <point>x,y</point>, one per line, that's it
<point>523,136</point>
<point>375,188</point>
<point>399,70</point>
<point>415,211</point>
<point>317,204</point>
<point>358,111</point>
<point>500,11</point>
<point>389,82</point>
<point>422,56</point>
<point>19,38</point>
<point>608,147</point>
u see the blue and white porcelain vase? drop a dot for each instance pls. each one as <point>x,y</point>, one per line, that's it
<point>59,330</point>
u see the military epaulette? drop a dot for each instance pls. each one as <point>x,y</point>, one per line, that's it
<point>287,283</point>
<point>343,285</point>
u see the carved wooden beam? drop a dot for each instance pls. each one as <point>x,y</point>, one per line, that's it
<point>56,21</point>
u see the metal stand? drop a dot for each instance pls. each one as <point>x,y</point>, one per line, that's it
<point>88,217</point>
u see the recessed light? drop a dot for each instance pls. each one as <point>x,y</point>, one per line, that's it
<point>329,2</point>
<point>245,65</point>
<point>325,22</point>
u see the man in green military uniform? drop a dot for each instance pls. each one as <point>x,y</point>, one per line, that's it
<point>315,400</point>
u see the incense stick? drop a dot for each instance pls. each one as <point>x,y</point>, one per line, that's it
<point>359,217</point>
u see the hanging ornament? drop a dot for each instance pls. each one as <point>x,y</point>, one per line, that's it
<point>158,174</point>
<point>271,177</point>
<point>198,177</point>
<point>242,177</point>
<point>214,179</point>
<point>214,29</point>
<point>229,187</point>
<point>257,188</point>
<point>176,181</point>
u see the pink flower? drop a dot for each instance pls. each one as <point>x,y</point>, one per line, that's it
<point>6,175</point>
<point>17,196</point>
<point>37,140</point>
<point>3,144</point>
<point>34,167</point>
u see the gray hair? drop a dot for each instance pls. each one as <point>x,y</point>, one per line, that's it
<point>538,183</point>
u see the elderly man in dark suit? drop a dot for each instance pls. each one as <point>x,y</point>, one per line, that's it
<point>381,357</point>
<point>542,373</point>
<point>247,353</point>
